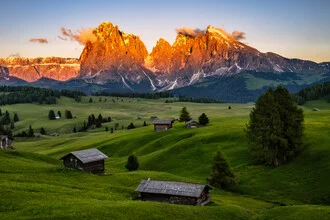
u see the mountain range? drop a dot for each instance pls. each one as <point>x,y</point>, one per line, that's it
<point>209,63</point>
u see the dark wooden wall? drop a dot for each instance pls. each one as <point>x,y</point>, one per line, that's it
<point>92,167</point>
<point>168,198</point>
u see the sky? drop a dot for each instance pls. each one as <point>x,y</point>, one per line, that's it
<point>291,28</point>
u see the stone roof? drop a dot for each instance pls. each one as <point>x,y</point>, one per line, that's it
<point>171,188</point>
<point>163,121</point>
<point>87,156</point>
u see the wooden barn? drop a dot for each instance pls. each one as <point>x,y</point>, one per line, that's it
<point>6,141</point>
<point>174,192</point>
<point>91,160</point>
<point>162,125</point>
<point>192,124</point>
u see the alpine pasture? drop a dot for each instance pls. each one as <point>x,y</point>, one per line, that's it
<point>35,185</point>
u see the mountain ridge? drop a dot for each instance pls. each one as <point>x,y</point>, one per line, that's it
<point>116,57</point>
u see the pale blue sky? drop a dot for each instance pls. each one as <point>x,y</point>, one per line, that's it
<point>294,29</point>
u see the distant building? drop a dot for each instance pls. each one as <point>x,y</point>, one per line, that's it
<point>192,124</point>
<point>37,135</point>
<point>174,192</point>
<point>6,141</point>
<point>162,125</point>
<point>154,117</point>
<point>91,160</point>
<point>54,134</point>
<point>57,116</point>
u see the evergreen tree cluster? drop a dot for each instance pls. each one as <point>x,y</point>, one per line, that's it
<point>185,116</point>
<point>93,121</point>
<point>26,94</point>
<point>6,123</point>
<point>156,95</point>
<point>275,129</point>
<point>197,100</point>
<point>317,91</point>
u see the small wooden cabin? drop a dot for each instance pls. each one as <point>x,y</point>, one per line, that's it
<point>6,141</point>
<point>192,124</point>
<point>91,160</point>
<point>162,125</point>
<point>174,192</point>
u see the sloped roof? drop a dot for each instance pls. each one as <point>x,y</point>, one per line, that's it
<point>192,121</point>
<point>87,156</point>
<point>162,121</point>
<point>171,188</point>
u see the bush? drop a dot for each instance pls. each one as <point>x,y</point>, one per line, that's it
<point>130,126</point>
<point>42,131</point>
<point>132,163</point>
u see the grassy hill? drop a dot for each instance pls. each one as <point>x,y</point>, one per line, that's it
<point>34,184</point>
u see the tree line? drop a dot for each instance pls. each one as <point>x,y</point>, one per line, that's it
<point>26,94</point>
<point>194,99</point>
<point>317,91</point>
<point>156,95</point>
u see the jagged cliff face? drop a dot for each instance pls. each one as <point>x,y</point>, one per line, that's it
<point>33,69</point>
<point>114,51</point>
<point>121,58</point>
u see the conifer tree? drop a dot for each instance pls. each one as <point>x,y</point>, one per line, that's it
<point>203,119</point>
<point>74,129</point>
<point>31,132</point>
<point>184,115</point>
<point>59,113</point>
<point>16,119</point>
<point>144,123</point>
<point>90,100</point>
<point>221,175</point>
<point>275,129</point>
<point>51,115</point>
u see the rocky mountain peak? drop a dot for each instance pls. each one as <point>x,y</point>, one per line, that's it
<point>113,49</point>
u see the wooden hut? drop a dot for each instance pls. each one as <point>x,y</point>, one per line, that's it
<point>6,141</point>
<point>91,160</point>
<point>192,124</point>
<point>162,125</point>
<point>174,192</point>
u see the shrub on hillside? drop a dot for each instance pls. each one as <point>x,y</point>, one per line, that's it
<point>132,163</point>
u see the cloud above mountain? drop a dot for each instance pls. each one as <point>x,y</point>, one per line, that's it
<point>39,40</point>
<point>191,32</point>
<point>238,35</point>
<point>82,36</point>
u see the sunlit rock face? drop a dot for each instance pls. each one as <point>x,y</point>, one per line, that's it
<point>32,69</point>
<point>114,56</point>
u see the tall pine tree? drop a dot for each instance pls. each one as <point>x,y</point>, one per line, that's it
<point>221,175</point>
<point>275,129</point>
<point>184,115</point>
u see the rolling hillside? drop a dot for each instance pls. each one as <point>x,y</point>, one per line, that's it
<point>34,184</point>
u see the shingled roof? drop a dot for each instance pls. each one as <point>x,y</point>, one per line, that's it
<point>171,188</point>
<point>162,121</point>
<point>87,156</point>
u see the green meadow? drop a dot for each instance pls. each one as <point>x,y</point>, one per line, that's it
<point>35,185</point>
